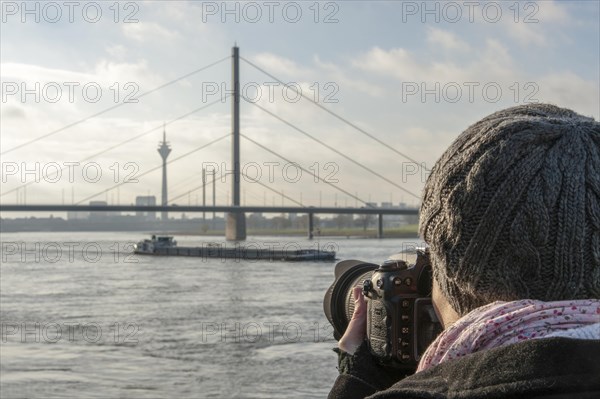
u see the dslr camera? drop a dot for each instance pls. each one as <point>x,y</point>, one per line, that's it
<point>401,321</point>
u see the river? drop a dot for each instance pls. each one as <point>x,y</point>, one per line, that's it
<point>84,318</point>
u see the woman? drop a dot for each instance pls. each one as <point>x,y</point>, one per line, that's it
<point>511,213</point>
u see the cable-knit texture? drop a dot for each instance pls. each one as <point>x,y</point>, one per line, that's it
<point>512,209</point>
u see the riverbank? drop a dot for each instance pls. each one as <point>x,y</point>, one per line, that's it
<point>191,227</point>
<point>408,231</point>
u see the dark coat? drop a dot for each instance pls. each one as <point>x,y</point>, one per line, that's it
<point>556,368</point>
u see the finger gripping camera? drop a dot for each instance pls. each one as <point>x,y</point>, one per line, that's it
<point>401,321</point>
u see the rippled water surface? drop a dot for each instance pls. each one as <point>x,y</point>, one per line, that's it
<point>83,318</point>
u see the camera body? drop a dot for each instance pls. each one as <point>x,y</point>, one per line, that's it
<point>401,321</point>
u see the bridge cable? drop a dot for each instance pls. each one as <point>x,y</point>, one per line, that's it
<point>253,180</point>
<point>56,172</point>
<point>70,125</point>
<point>191,190</point>
<point>303,169</point>
<point>333,149</point>
<point>281,193</point>
<point>155,168</point>
<point>346,121</point>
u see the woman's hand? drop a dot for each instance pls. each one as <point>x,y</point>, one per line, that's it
<point>357,328</point>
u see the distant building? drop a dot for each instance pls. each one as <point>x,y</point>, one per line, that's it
<point>101,215</point>
<point>256,221</point>
<point>98,215</point>
<point>145,200</point>
<point>77,215</point>
<point>387,205</point>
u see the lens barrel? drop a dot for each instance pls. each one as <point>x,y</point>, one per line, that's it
<point>338,303</point>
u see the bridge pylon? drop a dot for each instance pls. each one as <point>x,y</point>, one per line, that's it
<point>235,228</point>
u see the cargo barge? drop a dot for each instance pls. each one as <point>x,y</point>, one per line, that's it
<point>167,246</point>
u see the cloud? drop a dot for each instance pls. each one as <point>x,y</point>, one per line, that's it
<point>532,22</point>
<point>280,66</point>
<point>12,111</point>
<point>149,32</point>
<point>494,63</point>
<point>345,79</point>
<point>140,73</point>
<point>446,39</point>
<point>549,12</point>
<point>567,89</point>
<point>37,73</point>
<point>324,73</point>
<point>527,34</point>
<point>400,64</point>
<point>396,62</point>
<point>104,73</point>
<point>117,51</point>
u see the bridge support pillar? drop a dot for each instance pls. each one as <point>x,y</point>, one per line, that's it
<point>380,226</point>
<point>235,229</point>
<point>310,226</point>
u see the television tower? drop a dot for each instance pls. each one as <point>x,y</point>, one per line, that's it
<point>164,150</point>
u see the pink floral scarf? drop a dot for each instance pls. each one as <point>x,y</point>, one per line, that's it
<point>503,323</point>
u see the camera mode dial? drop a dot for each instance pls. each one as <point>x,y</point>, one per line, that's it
<point>393,265</point>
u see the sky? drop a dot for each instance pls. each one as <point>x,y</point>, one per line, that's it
<point>386,87</point>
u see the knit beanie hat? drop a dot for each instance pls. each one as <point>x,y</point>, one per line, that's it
<point>512,209</point>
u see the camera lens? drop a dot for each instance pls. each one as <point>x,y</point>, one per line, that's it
<point>338,303</point>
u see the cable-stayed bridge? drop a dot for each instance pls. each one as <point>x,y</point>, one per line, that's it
<point>235,227</point>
